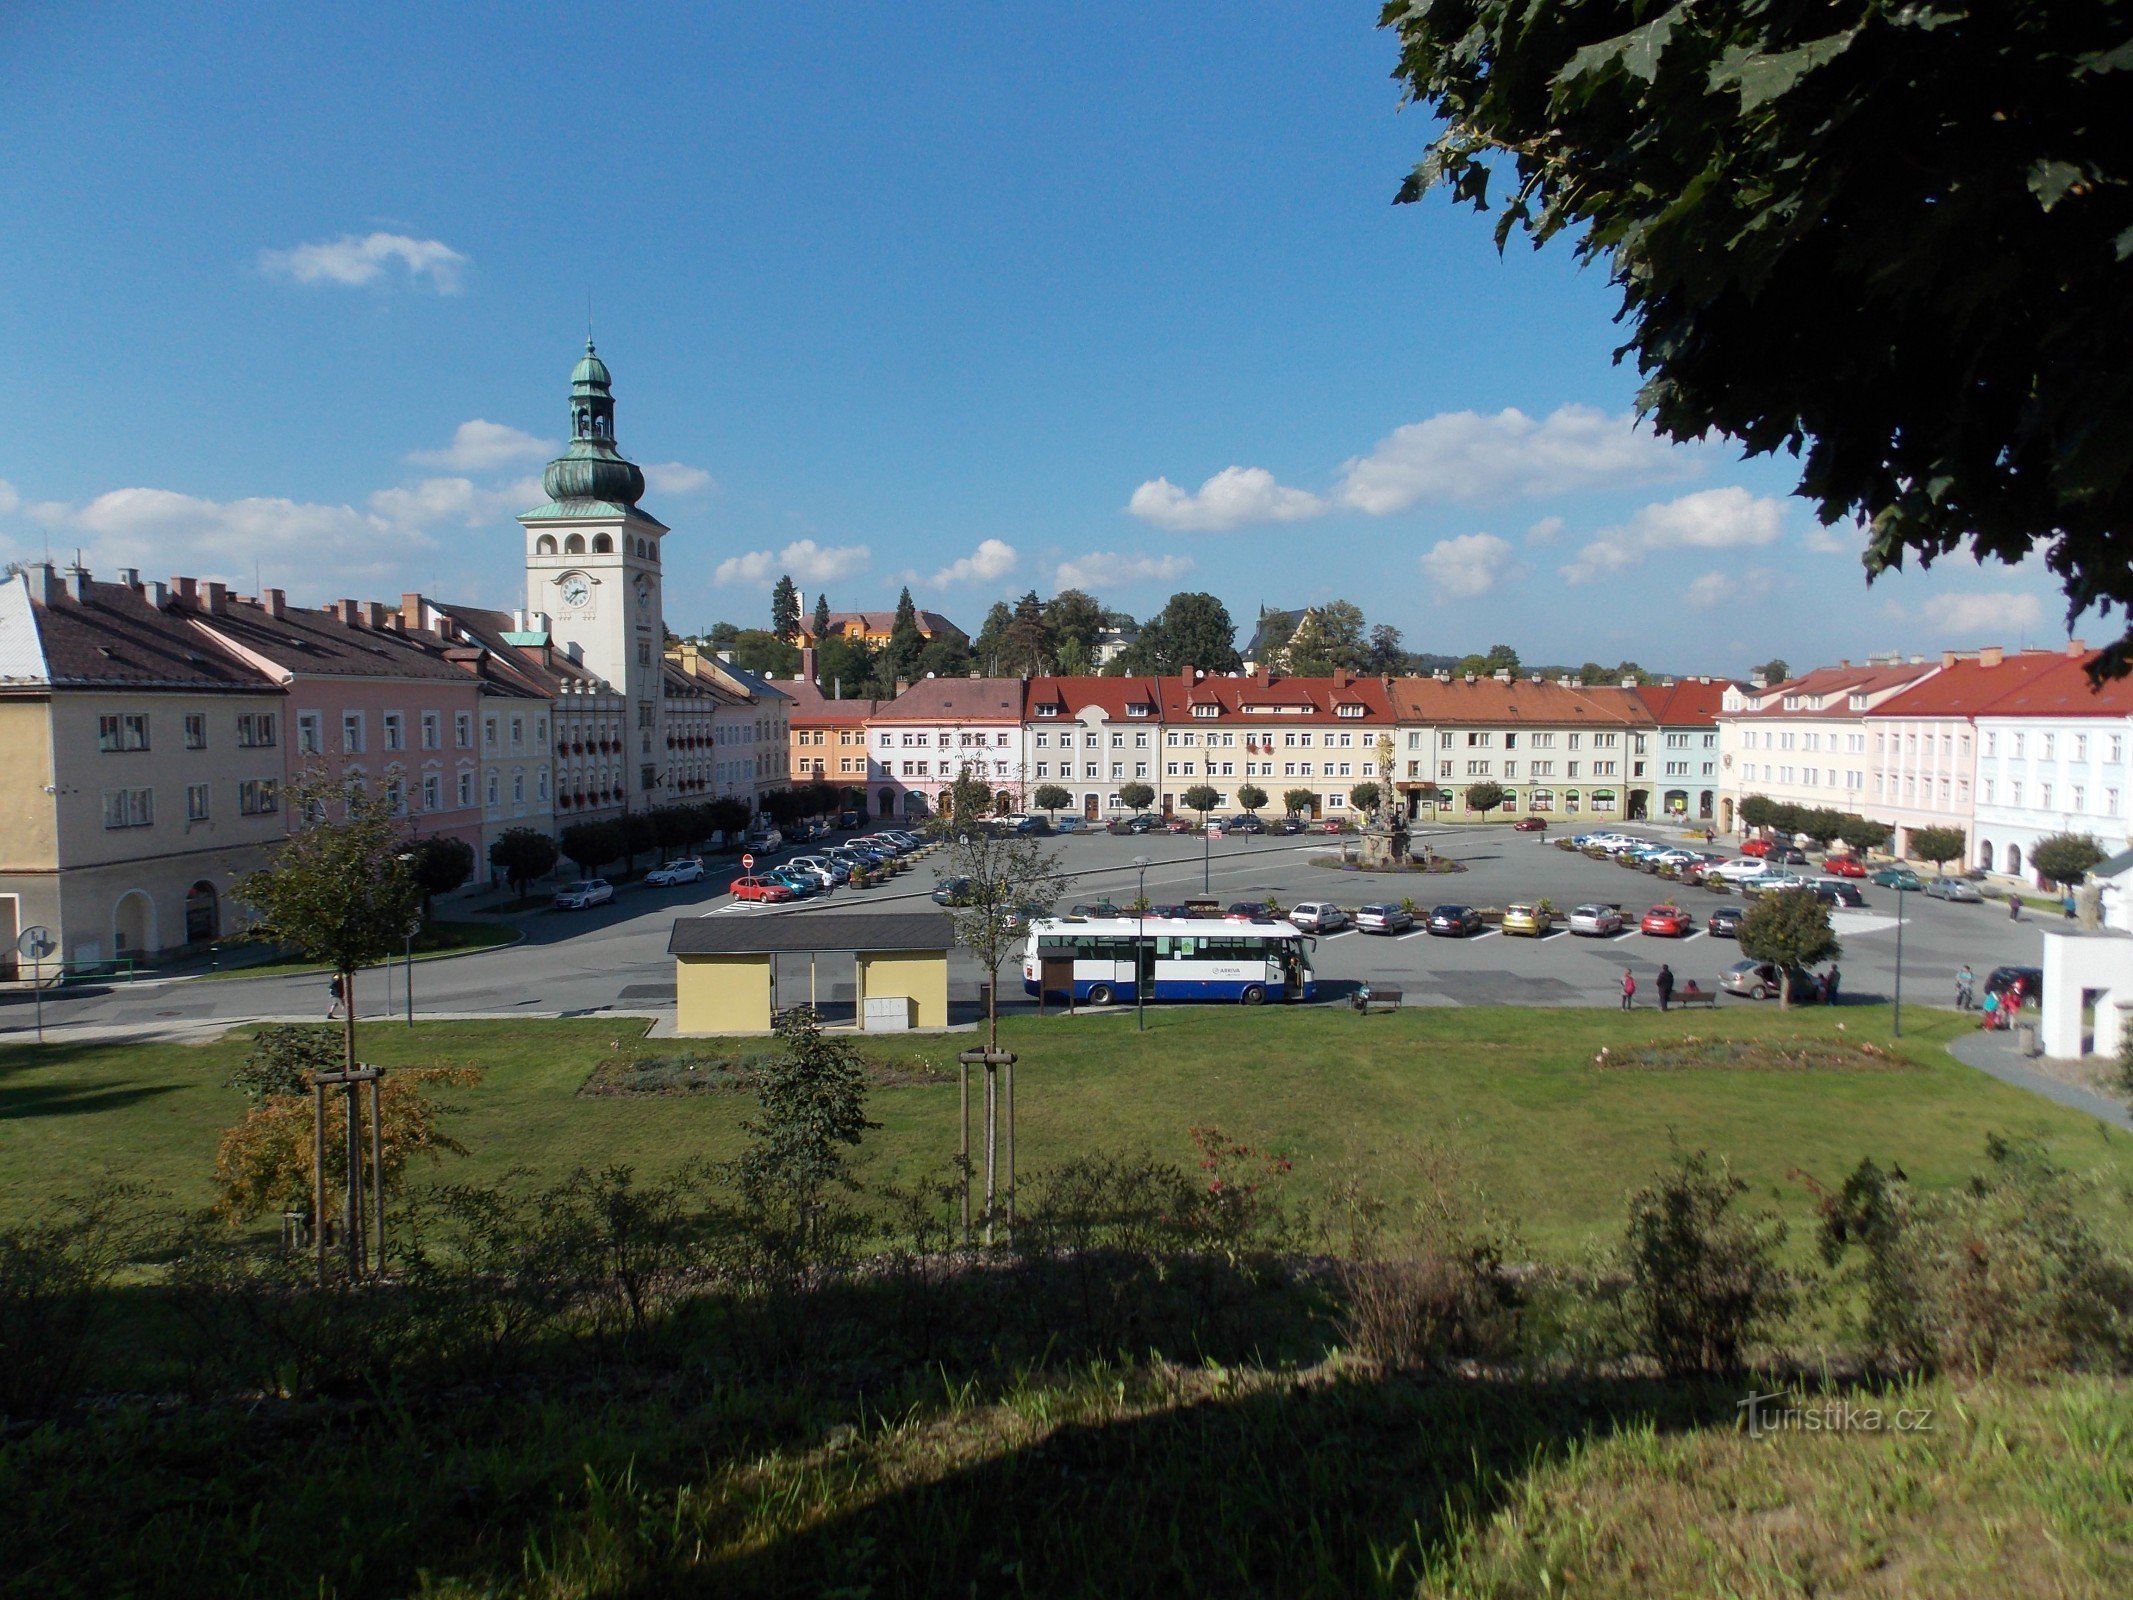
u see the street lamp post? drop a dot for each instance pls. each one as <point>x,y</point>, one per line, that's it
<point>1206,847</point>
<point>407,969</point>
<point>1896,1011</point>
<point>1140,907</point>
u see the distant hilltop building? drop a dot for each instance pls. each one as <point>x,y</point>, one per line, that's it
<point>870,627</point>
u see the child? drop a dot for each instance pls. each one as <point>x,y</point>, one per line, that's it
<point>1992,1011</point>
<point>1629,989</point>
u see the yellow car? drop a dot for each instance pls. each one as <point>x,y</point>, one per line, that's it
<point>1528,920</point>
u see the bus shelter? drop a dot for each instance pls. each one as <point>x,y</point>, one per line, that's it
<point>733,974</point>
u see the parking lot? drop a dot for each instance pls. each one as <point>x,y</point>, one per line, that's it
<point>614,956</point>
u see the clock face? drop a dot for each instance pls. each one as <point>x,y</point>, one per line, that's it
<point>644,596</point>
<point>577,591</point>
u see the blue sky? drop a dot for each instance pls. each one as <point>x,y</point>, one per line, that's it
<point>974,297</point>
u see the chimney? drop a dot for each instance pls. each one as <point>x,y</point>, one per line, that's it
<point>275,602</point>
<point>1843,663</point>
<point>1501,674</point>
<point>131,578</point>
<point>1947,658</point>
<point>44,582</point>
<point>187,591</point>
<point>1629,683</point>
<point>214,597</point>
<point>1186,673</point>
<point>901,685</point>
<point>1469,677</point>
<point>1757,680</point>
<point>411,611</point>
<point>1991,656</point>
<point>78,583</point>
<point>158,593</point>
<point>2075,648</point>
<point>837,689</point>
<point>807,663</point>
<point>373,614</point>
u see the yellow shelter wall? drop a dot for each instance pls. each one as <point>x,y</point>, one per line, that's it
<point>722,994</point>
<point>920,974</point>
<point>29,834</point>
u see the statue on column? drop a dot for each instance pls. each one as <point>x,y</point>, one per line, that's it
<point>1384,841</point>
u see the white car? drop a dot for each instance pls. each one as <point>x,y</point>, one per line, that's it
<point>1318,916</point>
<point>581,896</point>
<point>761,842</point>
<point>1742,870</point>
<point>687,870</point>
<point>1595,920</point>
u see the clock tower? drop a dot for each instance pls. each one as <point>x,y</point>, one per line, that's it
<point>593,572</point>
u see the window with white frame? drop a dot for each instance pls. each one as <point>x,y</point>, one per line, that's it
<point>129,808</point>
<point>395,731</point>
<point>352,733</point>
<point>196,730</point>
<point>259,797</point>
<point>196,802</point>
<point>432,730</point>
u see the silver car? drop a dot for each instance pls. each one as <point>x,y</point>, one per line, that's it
<point>1959,890</point>
<point>1380,918</point>
<point>1596,920</point>
<point>1318,916</point>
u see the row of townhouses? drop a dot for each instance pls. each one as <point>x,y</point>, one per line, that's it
<point>154,728</point>
<point>2009,747</point>
<point>1556,748</point>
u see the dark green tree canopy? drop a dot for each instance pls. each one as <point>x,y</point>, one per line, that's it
<point>1895,238</point>
<point>1073,614</point>
<point>785,610</point>
<point>1937,845</point>
<point>1193,630</point>
<point>1790,928</point>
<point>2065,858</point>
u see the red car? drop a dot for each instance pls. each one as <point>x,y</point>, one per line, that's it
<point>1180,825</point>
<point>1331,825</point>
<point>1844,867</point>
<point>1530,825</point>
<point>1755,847</point>
<point>1667,922</point>
<point>763,889</point>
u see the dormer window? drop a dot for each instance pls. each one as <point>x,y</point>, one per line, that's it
<point>1347,711</point>
<point>1138,708</point>
<point>1858,702</point>
<point>1792,702</point>
<point>1048,708</point>
<point>1207,711</point>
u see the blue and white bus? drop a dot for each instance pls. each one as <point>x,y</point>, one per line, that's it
<point>1172,959</point>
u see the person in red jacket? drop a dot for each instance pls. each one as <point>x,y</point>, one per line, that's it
<point>1629,989</point>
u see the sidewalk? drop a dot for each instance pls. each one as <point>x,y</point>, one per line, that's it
<point>1994,1055</point>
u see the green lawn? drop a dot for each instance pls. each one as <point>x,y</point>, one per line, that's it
<point>1555,1140</point>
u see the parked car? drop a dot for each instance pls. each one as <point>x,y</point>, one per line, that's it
<point>1739,872</point>
<point>1839,893</point>
<point>1381,918</point>
<point>1667,922</point>
<point>1289,824</point>
<point>1099,908</point>
<point>1595,920</point>
<point>827,867</point>
<point>1183,822</point>
<point>762,840</point>
<point>1530,825</point>
<point>1142,823</point>
<point>1070,825</point>
<point>1527,921</point>
<point>819,875</point>
<point>1173,913</point>
<point>1455,922</point>
<point>951,892</point>
<point>1245,823</point>
<point>1758,980</point>
<point>2001,979</point>
<point>1957,891</point>
<point>686,870</point>
<point>1786,855</point>
<point>764,889</point>
<point>1724,923</point>
<point>1245,911</point>
<point>1330,825</point>
<point>585,895</point>
<point>1755,847</point>
<point>802,884</point>
<point>1844,867</point>
<point>1318,916</point>
<point>1020,823</point>
<point>1899,878</point>
<point>849,819</point>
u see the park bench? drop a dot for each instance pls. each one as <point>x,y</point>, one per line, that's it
<point>1694,996</point>
<point>1382,997</point>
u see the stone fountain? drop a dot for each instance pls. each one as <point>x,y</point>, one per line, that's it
<point>1383,845</point>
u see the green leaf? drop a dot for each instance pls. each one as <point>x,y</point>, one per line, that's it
<point>1762,78</point>
<point>1637,51</point>
<point>2050,180</point>
<point>2119,60</point>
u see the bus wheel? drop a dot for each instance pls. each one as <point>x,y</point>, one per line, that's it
<point>1099,994</point>
<point>1252,995</point>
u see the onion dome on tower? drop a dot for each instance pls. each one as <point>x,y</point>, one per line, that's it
<point>592,469</point>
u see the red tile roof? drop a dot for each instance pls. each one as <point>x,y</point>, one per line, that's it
<point>956,700</point>
<point>1837,685</point>
<point>1262,695</point>
<point>1493,702</point>
<point>2064,690</point>
<point>1686,702</point>
<point>1111,696</point>
<point>1968,687</point>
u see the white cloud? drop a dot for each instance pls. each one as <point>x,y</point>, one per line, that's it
<point>1462,568</point>
<point>1710,519</point>
<point>1544,531</point>
<point>1980,614</point>
<point>674,477</point>
<point>163,532</point>
<point>1232,498</point>
<point>803,559</point>
<point>452,500</point>
<point>1467,457</point>
<point>1110,569</point>
<point>1715,589</point>
<point>353,262</point>
<point>9,499</point>
<point>479,446</point>
<point>993,559</point>
<point>1846,538</point>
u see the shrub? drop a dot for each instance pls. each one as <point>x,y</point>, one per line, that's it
<point>55,1290</point>
<point>1704,1279</point>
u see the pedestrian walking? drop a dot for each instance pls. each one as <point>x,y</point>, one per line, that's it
<point>2067,906</point>
<point>335,990</point>
<point>1709,838</point>
<point>1965,989</point>
<point>1664,983</point>
<point>2014,905</point>
<point>1629,989</point>
<point>1991,1019</point>
<point>1835,977</point>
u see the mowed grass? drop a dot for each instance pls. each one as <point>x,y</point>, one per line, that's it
<point>1555,1140</point>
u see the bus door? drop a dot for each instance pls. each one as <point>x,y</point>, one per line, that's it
<point>1147,968</point>
<point>1292,969</point>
